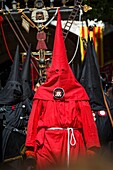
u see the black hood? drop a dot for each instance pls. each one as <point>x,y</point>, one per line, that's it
<point>90,78</point>
<point>12,91</point>
<point>26,76</point>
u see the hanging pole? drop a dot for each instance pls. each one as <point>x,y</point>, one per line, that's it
<point>107,107</point>
<point>19,38</point>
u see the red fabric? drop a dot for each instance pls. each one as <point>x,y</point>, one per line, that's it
<point>1,20</point>
<point>90,153</point>
<point>51,145</point>
<point>4,38</point>
<point>60,73</point>
<point>72,111</point>
<point>13,107</point>
<point>41,36</point>
<point>30,153</point>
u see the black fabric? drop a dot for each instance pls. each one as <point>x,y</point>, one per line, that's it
<point>15,142</point>
<point>18,86</point>
<point>12,91</point>
<point>105,130</point>
<point>16,119</point>
<point>90,78</point>
<point>104,126</point>
<point>75,69</point>
<point>2,110</point>
<point>15,72</point>
<point>13,120</point>
<point>27,90</point>
<point>13,165</point>
<point>1,130</point>
<point>16,97</point>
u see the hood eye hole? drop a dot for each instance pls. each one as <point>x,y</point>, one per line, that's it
<point>63,70</point>
<point>57,71</point>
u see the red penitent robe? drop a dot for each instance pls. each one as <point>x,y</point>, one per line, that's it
<point>61,126</point>
<point>51,145</point>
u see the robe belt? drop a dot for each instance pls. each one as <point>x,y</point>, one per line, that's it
<point>19,131</point>
<point>16,130</point>
<point>71,139</point>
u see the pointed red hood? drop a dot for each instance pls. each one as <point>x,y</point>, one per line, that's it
<point>61,83</point>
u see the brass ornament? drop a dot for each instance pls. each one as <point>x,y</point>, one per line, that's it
<point>86,8</point>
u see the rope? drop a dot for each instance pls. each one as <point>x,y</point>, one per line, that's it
<point>24,41</point>
<point>78,39</point>
<point>4,38</point>
<point>71,142</point>
<point>20,40</point>
<point>107,107</point>
<point>19,30</point>
<point>15,33</point>
<point>51,18</point>
<point>13,159</point>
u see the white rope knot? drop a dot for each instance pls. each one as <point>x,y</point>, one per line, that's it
<point>71,141</point>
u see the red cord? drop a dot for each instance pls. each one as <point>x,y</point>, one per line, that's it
<point>30,153</point>
<point>4,38</point>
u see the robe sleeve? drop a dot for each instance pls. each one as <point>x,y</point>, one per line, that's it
<point>33,123</point>
<point>89,126</point>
